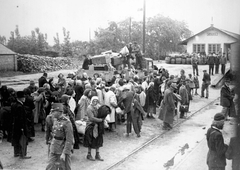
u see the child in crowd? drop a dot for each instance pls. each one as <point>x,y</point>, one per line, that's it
<point>196,82</point>
<point>191,83</point>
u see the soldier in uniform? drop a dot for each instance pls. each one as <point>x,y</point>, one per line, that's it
<point>62,140</point>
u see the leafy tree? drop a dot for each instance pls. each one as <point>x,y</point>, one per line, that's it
<point>3,40</point>
<point>163,35</point>
<point>56,46</point>
<point>66,46</point>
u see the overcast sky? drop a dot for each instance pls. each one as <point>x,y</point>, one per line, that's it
<point>80,16</point>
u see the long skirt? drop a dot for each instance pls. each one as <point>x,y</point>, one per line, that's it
<point>89,140</point>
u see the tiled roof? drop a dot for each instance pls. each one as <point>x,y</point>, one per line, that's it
<point>5,50</point>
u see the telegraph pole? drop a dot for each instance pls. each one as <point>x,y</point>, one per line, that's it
<point>130,29</point>
<point>144,17</point>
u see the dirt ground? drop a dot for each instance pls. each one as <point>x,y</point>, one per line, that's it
<point>116,145</point>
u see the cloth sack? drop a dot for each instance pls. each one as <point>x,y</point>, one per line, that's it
<point>81,126</point>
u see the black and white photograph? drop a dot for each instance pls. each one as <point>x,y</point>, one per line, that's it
<point>119,84</point>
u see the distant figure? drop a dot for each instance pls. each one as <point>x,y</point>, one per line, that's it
<point>211,63</point>
<point>138,54</point>
<point>223,62</point>
<point>217,62</point>
<point>205,84</point>
<point>32,87</point>
<point>216,159</point>
<point>86,62</point>
<point>195,64</point>
<point>42,80</point>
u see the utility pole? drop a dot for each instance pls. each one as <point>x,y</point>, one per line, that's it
<point>144,17</point>
<point>130,29</point>
<point>89,34</point>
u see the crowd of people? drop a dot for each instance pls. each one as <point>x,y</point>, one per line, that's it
<point>56,106</point>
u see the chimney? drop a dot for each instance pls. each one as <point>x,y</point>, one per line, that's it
<point>212,22</point>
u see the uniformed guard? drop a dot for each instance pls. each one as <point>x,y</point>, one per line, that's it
<point>62,140</point>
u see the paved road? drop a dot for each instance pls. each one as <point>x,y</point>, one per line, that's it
<point>116,146</point>
<point>191,132</point>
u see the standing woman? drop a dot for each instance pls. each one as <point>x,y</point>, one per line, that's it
<point>83,104</point>
<point>93,138</point>
<point>40,102</point>
<point>151,99</point>
<point>62,83</point>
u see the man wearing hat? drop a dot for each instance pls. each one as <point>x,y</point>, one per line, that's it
<point>205,84</point>
<point>19,136</point>
<point>62,139</point>
<point>216,159</point>
<point>167,110</point>
<point>226,98</point>
<point>194,61</point>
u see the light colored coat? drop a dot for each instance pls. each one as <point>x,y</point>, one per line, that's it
<point>110,100</point>
<point>84,102</point>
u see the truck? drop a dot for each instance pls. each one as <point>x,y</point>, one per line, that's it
<point>107,63</point>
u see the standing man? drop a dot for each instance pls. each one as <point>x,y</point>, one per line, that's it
<point>19,136</point>
<point>195,64</point>
<point>211,63</point>
<point>185,98</point>
<point>205,84</point>
<point>226,98</point>
<point>167,110</point>
<point>62,141</point>
<point>42,80</point>
<point>217,62</point>
<point>127,100</point>
<point>138,55</point>
<point>130,49</point>
<point>216,159</point>
<point>86,62</point>
<point>223,62</point>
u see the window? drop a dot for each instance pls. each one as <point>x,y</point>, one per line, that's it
<point>197,48</point>
<point>214,48</point>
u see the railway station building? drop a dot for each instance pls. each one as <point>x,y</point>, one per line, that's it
<point>211,40</point>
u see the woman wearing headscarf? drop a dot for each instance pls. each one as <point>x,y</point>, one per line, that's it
<point>68,113</point>
<point>93,138</point>
<point>82,105</point>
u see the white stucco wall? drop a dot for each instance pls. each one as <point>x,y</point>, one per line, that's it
<point>209,37</point>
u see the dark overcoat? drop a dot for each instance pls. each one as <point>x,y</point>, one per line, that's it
<point>217,149</point>
<point>226,98</point>
<point>19,124</point>
<point>167,109</point>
